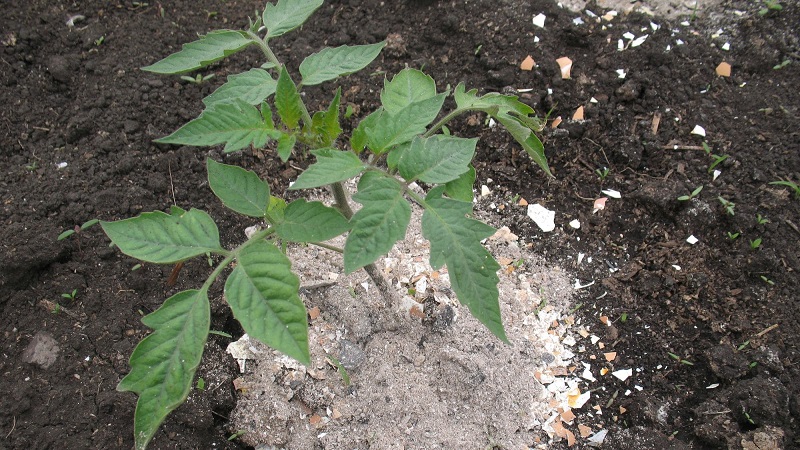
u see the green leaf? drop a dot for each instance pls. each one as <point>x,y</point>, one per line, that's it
<point>310,222</point>
<point>162,238</point>
<point>287,15</point>
<point>164,363</point>
<point>437,159</point>
<point>461,187</point>
<point>276,209</point>
<point>407,87</point>
<point>325,124</point>
<point>330,63</point>
<point>285,146</point>
<point>252,87</point>
<point>455,241</point>
<point>239,189</point>
<point>237,124</point>
<point>262,293</point>
<point>527,139</point>
<point>195,55</point>
<point>389,130</point>
<point>492,102</point>
<point>332,165</point>
<point>287,100</point>
<point>358,138</point>
<point>381,221</point>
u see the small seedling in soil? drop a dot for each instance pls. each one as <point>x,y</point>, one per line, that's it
<point>752,365</point>
<point>77,229</point>
<point>70,295</point>
<point>679,359</point>
<point>754,244</point>
<point>396,146</point>
<point>728,205</point>
<point>788,184</point>
<point>743,345</point>
<point>197,79</point>
<point>761,220</point>
<point>718,159</point>
<point>602,173</point>
<point>769,5</point>
<point>686,198</point>
<point>236,435</point>
<point>767,280</point>
<point>733,236</point>
<point>201,384</point>
<point>782,64</point>
<point>339,368</point>
<point>623,318</point>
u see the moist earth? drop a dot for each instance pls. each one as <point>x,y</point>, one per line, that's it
<point>709,329</point>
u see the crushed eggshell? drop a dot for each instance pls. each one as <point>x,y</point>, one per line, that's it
<point>527,63</point>
<point>612,193</point>
<point>584,430</point>
<point>570,438</point>
<point>724,69</point>
<point>600,204</point>
<point>504,234</point>
<point>623,374</point>
<point>698,130</point>
<point>603,371</point>
<point>604,320</point>
<point>568,416</point>
<point>485,190</point>
<point>575,223</point>
<point>522,202</point>
<point>716,174</point>
<point>596,440</point>
<point>692,240</point>
<point>556,122</point>
<point>621,73</point>
<point>610,356</point>
<point>566,67</point>
<point>313,313</point>
<point>578,114</point>
<point>576,399</point>
<point>543,217</point>
<point>539,20</point>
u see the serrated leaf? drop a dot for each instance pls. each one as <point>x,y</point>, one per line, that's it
<point>381,221</point>
<point>325,124</point>
<point>195,55</point>
<point>389,130</point>
<point>237,124</point>
<point>499,102</point>
<point>358,138</point>
<point>461,187</point>
<point>276,209</point>
<point>527,139</point>
<point>310,222</point>
<point>287,100</point>
<point>286,15</point>
<point>262,293</point>
<point>164,363</point>
<point>252,87</point>
<point>239,189</point>
<point>455,241</point>
<point>407,87</point>
<point>285,146</point>
<point>330,63</point>
<point>332,165</point>
<point>161,238</point>
<point>437,159</point>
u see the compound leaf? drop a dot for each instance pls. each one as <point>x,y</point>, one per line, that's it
<point>381,221</point>
<point>235,123</point>
<point>388,130</point>
<point>162,238</point>
<point>325,124</point>
<point>287,100</point>
<point>455,241</point>
<point>262,293</point>
<point>252,87</point>
<point>198,54</point>
<point>164,363</point>
<point>330,63</point>
<point>239,189</point>
<point>527,139</point>
<point>287,15</point>
<point>461,187</point>
<point>310,222</point>
<point>285,146</point>
<point>437,159</point>
<point>332,166</point>
<point>407,87</point>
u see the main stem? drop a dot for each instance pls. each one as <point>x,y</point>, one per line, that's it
<point>339,193</point>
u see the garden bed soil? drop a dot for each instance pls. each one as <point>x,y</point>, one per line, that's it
<point>709,329</point>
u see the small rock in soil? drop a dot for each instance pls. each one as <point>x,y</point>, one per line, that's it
<point>714,423</point>
<point>762,439</point>
<point>351,355</point>
<point>42,350</point>
<point>760,401</point>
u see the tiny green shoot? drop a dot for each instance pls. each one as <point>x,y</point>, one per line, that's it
<point>201,384</point>
<point>728,205</point>
<point>752,365</point>
<point>70,295</point>
<point>788,184</point>
<point>761,220</point>
<point>602,173</point>
<point>733,236</point>
<point>769,5</point>
<point>718,159</point>
<point>679,359</point>
<point>755,243</point>
<point>236,435</point>
<point>743,345</point>
<point>340,368</point>
<point>686,198</point>
<point>99,41</point>
<point>198,79</point>
<point>623,318</point>
<point>782,64</point>
<point>767,280</point>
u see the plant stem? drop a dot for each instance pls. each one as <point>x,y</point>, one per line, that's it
<point>447,118</point>
<point>231,255</point>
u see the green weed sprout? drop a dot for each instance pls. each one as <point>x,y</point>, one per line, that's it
<point>397,145</point>
<point>788,184</point>
<point>694,193</point>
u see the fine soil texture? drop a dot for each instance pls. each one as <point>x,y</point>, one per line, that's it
<point>680,325</point>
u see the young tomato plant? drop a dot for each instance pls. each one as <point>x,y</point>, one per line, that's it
<point>393,147</point>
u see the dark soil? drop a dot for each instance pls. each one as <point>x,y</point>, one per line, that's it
<point>75,95</point>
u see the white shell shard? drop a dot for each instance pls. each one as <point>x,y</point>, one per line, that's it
<point>596,440</point>
<point>623,374</point>
<point>612,193</point>
<point>716,175</point>
<point>539,20</point>
<point>692,240</point>
<point>543,217</point>
<point>621,73</point>
<point>575,223</point>
<point>698,130</point>
<point>639,41</point>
